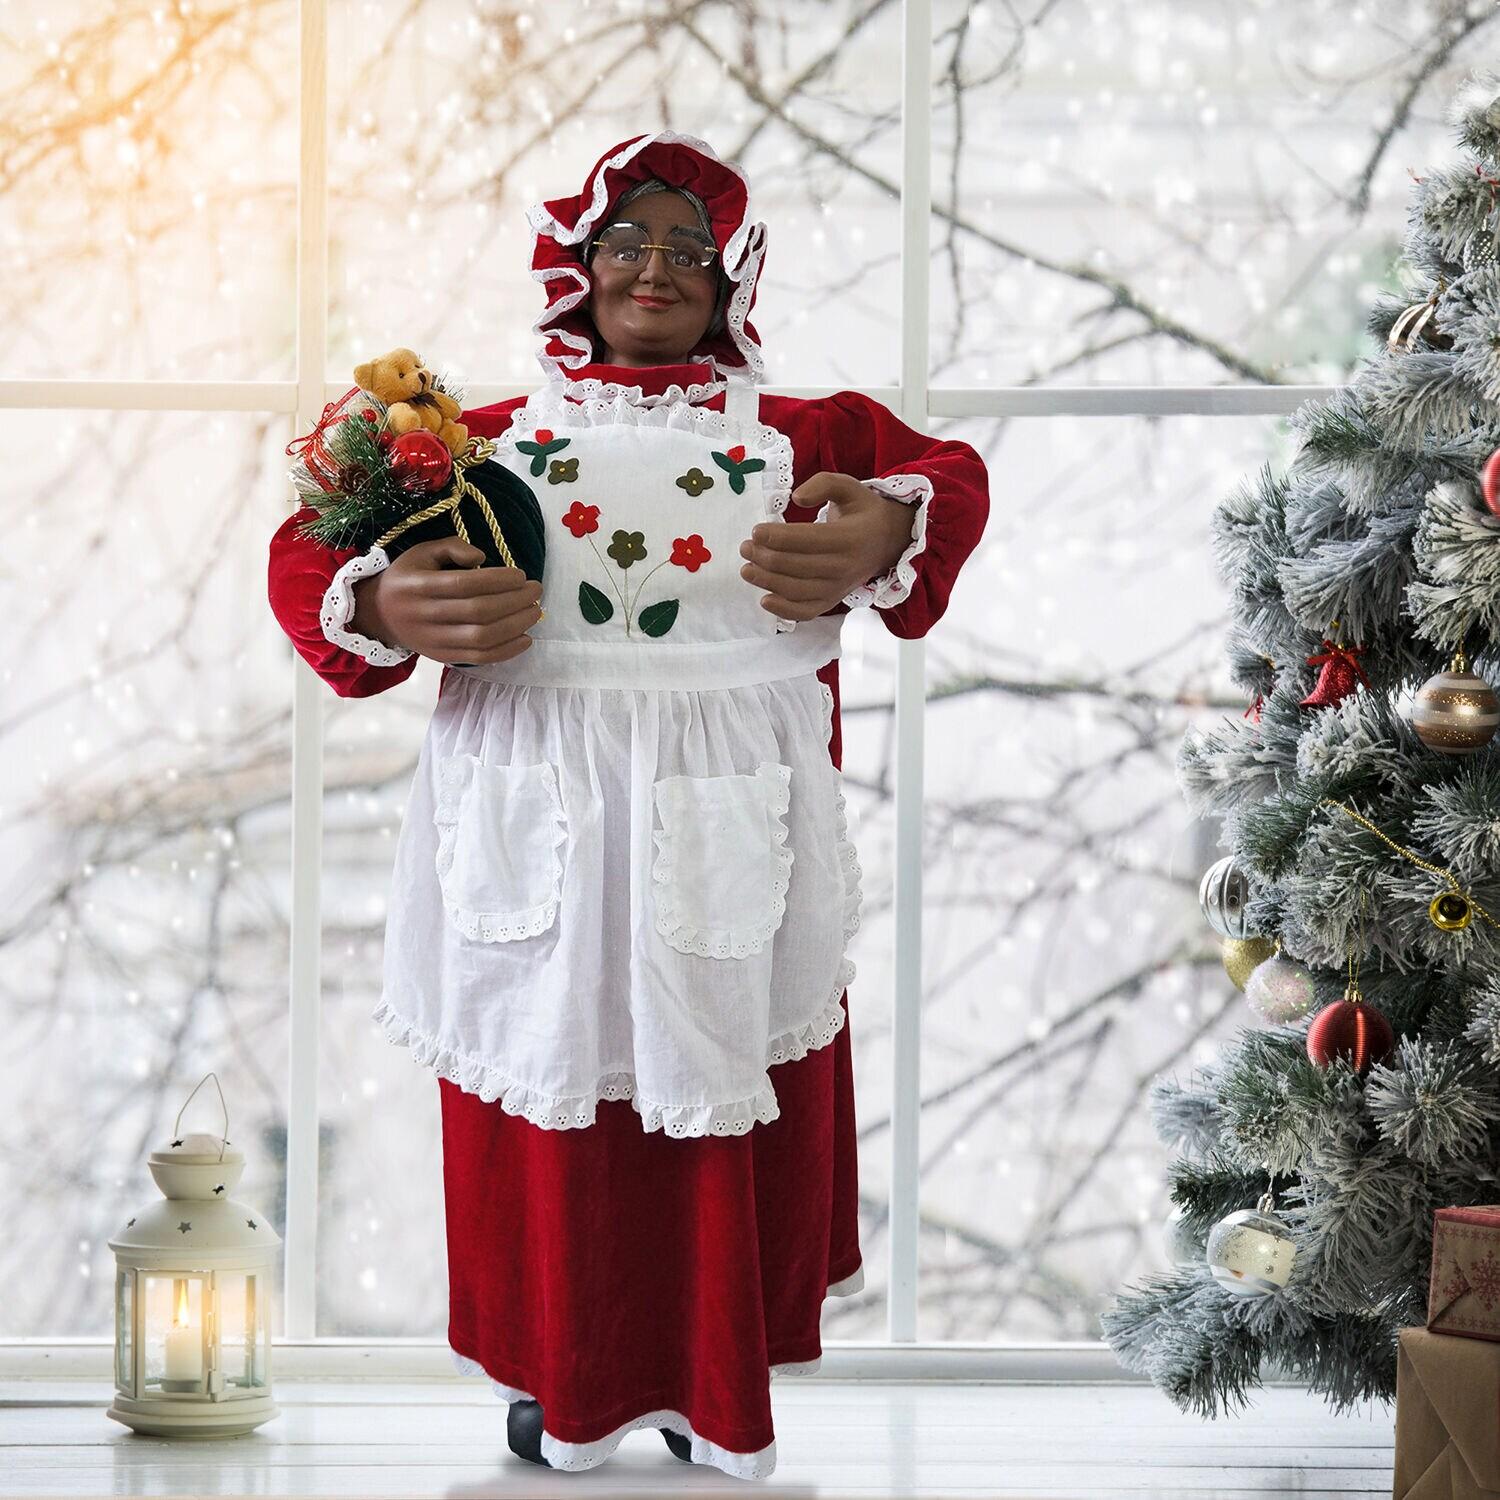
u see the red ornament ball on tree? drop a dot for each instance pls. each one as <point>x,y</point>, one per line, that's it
<point>421,461</point>
<point>1489,482</point>
<point>1353,1031</point>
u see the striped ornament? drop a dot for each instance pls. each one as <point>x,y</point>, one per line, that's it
<point>1456,713</point>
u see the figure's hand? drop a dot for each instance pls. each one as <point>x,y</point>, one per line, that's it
<point>806,570</point>
<point>436,600</point>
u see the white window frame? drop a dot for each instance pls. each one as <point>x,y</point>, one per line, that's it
<point>900,1355</point>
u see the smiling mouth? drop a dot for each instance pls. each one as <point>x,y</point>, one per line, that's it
<point>655,302</point>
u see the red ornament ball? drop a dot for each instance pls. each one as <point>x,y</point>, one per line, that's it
<point>1489,482</point>
<point>1353,1031</point>
<point>421,461</point>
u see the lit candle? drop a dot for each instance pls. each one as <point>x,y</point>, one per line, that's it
<point>184,1344</point>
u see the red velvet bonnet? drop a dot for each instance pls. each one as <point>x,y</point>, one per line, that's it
<point>561,226</point>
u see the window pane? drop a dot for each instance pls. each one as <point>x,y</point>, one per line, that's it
<point>149,192</point>
<point>1065,962</point>
<point>1177,192</point>
<point>382,1257</point>
<point>444,133</point>
<point>144,758</point>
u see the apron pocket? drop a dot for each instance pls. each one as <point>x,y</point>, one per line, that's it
<point>722,865</point>
<point>499,859</point>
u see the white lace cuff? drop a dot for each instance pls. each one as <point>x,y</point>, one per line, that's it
<point>338,610</point>
<point>893,587</point>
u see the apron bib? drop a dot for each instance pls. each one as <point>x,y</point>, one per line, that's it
<point>625,872</point>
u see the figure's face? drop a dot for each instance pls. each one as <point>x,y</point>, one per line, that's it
<point>678,305</point>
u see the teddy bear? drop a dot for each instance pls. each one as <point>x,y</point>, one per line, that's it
<point>406,386</point>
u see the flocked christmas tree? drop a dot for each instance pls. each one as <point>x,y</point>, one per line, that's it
<point>1359,800</point>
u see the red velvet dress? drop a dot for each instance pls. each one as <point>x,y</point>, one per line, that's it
<point>624,1278</point>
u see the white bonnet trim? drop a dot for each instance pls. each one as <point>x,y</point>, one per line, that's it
<point>741,258</point>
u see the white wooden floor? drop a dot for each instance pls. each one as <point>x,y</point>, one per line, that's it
<point>833,1440</point>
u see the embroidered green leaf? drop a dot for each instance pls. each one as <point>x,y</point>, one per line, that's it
<point>545,444</point>
<point>736,469</point>
<point>658,618</point>
<point>594,604</point>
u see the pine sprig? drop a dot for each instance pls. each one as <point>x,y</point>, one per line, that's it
<point>356,516</point>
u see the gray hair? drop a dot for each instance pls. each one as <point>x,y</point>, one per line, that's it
<point>656,185</point>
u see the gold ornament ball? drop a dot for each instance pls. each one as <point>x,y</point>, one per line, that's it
<point>1242,956</point>
<point>1455,713</point>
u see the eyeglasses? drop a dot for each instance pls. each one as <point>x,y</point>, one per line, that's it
<point>627,247</point>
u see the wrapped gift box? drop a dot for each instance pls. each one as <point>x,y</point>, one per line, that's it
<point>1447,1418</point>
<point>1463,1296</point>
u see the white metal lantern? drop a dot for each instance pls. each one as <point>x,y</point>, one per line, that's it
<point>193,1289</point>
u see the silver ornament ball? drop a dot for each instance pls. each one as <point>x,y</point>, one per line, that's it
<point>1223,896</point>
<point>1281,991</point>
<point>1250,1252</point>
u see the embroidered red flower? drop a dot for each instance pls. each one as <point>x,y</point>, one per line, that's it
<point>689,552</point>
<point>737,454</point>
<point>544,435</point>
<point>581,519</point>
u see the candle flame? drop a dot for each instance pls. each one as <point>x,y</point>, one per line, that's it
<point>180,1317</point>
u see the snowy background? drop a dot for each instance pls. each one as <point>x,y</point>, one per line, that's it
<point>1124,193</point>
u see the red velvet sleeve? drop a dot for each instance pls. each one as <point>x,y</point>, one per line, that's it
<point>861,437</point>
<point>297,577</point>
<point>300,570</point>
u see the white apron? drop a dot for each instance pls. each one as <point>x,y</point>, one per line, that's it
<point>624,871</point>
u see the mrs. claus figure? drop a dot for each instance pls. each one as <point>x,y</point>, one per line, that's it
<point>624,888</point>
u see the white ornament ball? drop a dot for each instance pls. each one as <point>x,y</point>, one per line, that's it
<point>1250,1252</point>
<point>1281,991</point>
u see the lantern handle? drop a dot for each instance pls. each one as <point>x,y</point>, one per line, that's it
<point>176,1127</point>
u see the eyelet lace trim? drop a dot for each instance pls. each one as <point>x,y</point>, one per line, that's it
<point>557,414</point>
<point>338,610</point>
<point>454,777</point>
<point>574,1456</point>
<point>732,942</point>
<point>576,1112</point>
<point>894,587</point>
<point>594,389</point>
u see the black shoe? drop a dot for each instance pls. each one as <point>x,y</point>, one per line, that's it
<point>523,1431</point>
<point>681,1447</point>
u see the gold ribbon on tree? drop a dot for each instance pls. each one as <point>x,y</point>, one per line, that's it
<point>477,451</point>
<point>1451,910</point>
